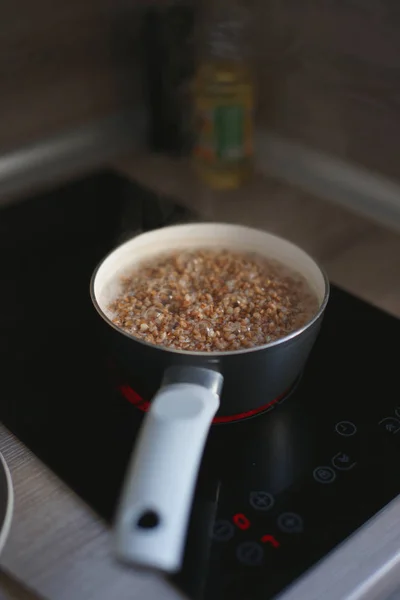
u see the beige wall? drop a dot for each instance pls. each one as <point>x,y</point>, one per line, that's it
<point>328,71</point>
<point>63,63</point>
<point>329,75</point>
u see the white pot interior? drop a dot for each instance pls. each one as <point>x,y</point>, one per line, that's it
<point>201,235</point>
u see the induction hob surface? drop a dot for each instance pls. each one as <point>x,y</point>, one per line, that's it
<point>276,493</point>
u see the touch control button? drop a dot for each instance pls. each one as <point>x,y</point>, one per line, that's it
<point>345,428</point>
<point>391,424</point>
<point>261,500</point>
<point>343,462</point>
<point>250,553</point>
<point>290,523</point>
<point>223,530</point>
<point>324,474</point>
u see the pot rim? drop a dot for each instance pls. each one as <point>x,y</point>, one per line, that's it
<point>218,354</point>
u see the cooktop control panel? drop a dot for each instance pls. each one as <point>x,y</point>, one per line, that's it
<point>294,483</point>
<point>315,490</point>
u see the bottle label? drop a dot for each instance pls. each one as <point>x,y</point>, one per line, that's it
<point>224,133</point>
<point>229,125</point>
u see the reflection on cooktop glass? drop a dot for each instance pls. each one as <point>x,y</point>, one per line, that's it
<point>276,492</point>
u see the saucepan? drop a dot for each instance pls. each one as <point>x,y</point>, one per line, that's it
<point>190,389</point>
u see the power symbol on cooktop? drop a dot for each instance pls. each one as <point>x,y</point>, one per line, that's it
<point>346,428</point>
<point>261,500</point>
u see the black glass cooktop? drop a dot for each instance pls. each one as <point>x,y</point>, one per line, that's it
<point>276,493</point>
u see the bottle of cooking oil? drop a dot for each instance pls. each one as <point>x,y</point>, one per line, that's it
<point>224,102</point>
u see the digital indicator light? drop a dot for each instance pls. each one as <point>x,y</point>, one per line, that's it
<point>241,521</point>
<point>269,539</point>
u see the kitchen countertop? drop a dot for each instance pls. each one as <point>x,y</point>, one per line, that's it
<point>57,546</point>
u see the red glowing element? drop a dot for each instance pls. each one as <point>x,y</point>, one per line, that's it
<point>241,521</point>
<point>269,539</point>
<point>134,398</point>
<point>249,413</point>
<point>130,394</point>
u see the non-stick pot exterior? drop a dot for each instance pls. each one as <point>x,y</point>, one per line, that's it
<point>251,379</point>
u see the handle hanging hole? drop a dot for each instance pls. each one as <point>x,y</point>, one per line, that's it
<point>148,520</point>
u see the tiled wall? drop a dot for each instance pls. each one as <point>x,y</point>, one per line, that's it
<point>329,75</point>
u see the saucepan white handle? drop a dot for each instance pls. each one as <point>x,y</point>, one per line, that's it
<point>152,518</point>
